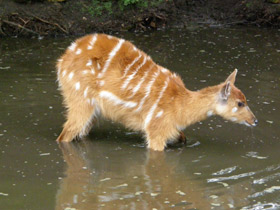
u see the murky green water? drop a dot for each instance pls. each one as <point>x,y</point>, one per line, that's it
<point>223,166</point>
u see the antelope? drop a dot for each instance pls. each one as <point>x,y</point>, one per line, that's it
<point>103,75</point>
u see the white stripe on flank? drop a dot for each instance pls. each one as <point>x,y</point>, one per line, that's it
<point>73,46</point>
<point>89,63</point>
<point>92,42</point>
<point>137,87</point>
<point>130,77</point>
<point>131,64</point>
<point>153,108</point>
<point>85,92</point>
<point>117,101</point>
<point>148,90</point>
<point>111,56</point>
<point>70,76</point>
<point>77,85</point>
<point>78,51</point>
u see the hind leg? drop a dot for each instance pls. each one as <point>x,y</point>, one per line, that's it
<point>79,121</point>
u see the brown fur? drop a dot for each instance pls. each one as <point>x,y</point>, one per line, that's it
<point>94,79</point>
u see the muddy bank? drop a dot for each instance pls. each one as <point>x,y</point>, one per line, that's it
<point>77,17</point>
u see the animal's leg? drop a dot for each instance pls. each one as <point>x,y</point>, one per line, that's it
<point>79,121</point>
<point>182,138</point>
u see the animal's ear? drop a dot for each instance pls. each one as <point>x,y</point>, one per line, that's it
<point>231,77</point>
<point>225,91</point>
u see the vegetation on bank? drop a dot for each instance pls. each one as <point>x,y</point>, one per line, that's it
<point>74,17</point>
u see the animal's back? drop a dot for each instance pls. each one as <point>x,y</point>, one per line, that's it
<point>114,77</point>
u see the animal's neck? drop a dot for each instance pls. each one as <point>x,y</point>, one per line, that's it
<point>198,105</point>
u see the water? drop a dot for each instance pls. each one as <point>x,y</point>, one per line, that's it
<point>223,165</point>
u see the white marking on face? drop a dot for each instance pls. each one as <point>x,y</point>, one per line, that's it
<point>151,112</point>
<point>73,46</point>
<point>131,64</point>
<point>220,108</point>
<point>63,73</point>
<point>159,114</point>
<point>233,119</point>
<point>148,90</point>
<point>111,56</point>
<point>79,51</point>
<point>116,100</point>
<point>70,76</point>
<point>85,92</point>
<point>130,77</point>
<point>234,109</point>
<point>77,85</point>
<point>209,113</point>
<point>89,63</point>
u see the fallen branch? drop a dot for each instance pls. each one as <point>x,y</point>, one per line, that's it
<point>47,22</point>
<point>20,26</point>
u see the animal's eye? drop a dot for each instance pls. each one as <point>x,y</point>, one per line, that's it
<point>240,104</point>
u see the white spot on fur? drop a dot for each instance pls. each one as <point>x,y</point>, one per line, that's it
<point>73,46</point>
<point>234,109</point>
<point>88,101</point>
<point>98,66</point>
<point>89,63</point>
<point>209,113</point>
<point>63,73</point>
<point>85,71</point>
<point>111,55</point>
<point>116,100</point>
<point>85,92</point>
<point>92,71</point>
<point>59,60</point>
<point>164,70</point>
<point>70,76</point>
<point>79,51</point>
<point>159,114</point>
<point>77,85</point>
<point>102,82</point>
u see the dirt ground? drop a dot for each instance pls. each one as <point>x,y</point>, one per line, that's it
<point>73,17</point>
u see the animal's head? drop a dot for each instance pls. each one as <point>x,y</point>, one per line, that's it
<point>232,104</point>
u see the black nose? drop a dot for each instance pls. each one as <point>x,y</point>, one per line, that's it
<point>256,121</point>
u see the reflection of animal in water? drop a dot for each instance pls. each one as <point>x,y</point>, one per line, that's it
<point>103,74</point>
<point>144,180</point>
